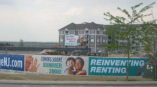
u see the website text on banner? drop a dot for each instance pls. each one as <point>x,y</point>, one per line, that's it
<point>12,62</point>
<point>56,65</point>
<point>116,66</point>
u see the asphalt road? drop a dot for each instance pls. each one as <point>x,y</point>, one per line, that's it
<point>25,83</point>
<point>19,85</point>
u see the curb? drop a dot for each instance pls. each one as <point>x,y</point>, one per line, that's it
<point>78,83</point>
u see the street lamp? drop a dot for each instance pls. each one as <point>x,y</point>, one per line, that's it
<point>96,31</point>
<point>66,31</point>
<point>87,31</point>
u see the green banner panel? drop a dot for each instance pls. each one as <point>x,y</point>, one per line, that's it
<point>116,66</point>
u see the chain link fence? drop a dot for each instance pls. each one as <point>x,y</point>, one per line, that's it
<point>151,69</point>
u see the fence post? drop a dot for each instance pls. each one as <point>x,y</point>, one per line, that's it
<point>155,71</point>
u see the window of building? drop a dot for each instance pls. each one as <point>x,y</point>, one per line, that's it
<point>98,32</point>
<point>104,40</point>
<point>92,32</point>
<point>61,39</point>
<point>81,32</point>
<point>98,40</point>
<point>61,32</point>
<point>76,32</point>
<point>66,32</point>
<point>86,32</point>
<point>92,40</point>
<point>72,32</point>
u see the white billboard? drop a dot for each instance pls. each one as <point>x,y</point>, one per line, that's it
<point>71,40</point>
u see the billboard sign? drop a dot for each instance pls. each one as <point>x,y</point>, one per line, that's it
<point>12,62</point>
<point>71,40</point>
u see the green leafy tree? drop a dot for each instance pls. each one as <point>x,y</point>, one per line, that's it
<point>150,36</point>
<point>21,43</point>
<point>128,30</point>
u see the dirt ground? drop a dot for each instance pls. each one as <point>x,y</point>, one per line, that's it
<point>20,52</point>
<point>38,52</point>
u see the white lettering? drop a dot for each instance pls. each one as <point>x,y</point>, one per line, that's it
<point>109,69</point>
<point>6,62</point>
<point>117,62</point>
<point>135,63</point>
<point>104,70</point>
<point>93,62</point>
<point>113,62</point>
<point>98,70</point>
<point>106,62</point>
<point>123,63</point>
<point>99,62</point>
<point>123,70</point>
<point>93,69</point>
<point>116,70</point>
<point>142,63</point>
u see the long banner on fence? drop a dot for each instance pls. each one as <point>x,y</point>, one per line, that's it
<point>73,65</point>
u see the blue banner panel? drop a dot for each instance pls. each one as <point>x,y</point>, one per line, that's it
<point>12,62</point>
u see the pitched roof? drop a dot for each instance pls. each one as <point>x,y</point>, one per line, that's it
<point>84,25</point>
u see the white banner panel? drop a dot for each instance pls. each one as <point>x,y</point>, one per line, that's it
<point>71,40</point>
<point>56,65</point>
<point>74,65</point>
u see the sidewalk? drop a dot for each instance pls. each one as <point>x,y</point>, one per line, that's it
<point>92,83</point>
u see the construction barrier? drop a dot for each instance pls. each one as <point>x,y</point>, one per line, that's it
<point>73,65</point>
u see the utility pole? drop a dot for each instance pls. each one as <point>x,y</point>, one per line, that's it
<point>95,40</point>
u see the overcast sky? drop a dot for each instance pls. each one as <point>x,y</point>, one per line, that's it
<point>40,20</point>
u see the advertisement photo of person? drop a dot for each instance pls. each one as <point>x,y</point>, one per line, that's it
<point>70,63</point>
<point>31,64</point>
<point>75,66</point>
<point>79,64</point>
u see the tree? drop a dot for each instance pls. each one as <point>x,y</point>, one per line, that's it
<point>128,30</point>
<point>21,43</point>
<point>150,37</point>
